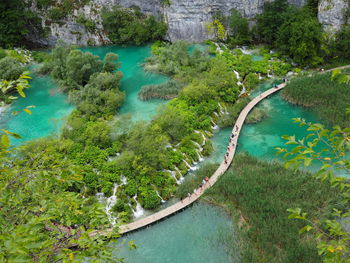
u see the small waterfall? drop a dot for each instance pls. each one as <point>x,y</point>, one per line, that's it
<point>222,112</point>
<point>268,74</point>
<point>138,211</point>
<point>237,74</point>
<point>216,114</point>
<point>242,91</point>
<point>245,51</point>
<point>197,145</point>
<point>203,136</point>
<point>111,201</point>
<point>173,175</point>
<point>200,158</point>
<point>260,77</point>
<point>218,48</point>
<point>181,177</point>
<point>193,168</point>
<point>214,126</point>
<point>161,199</point>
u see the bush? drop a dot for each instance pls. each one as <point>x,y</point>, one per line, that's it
<point>130,26</point>
<point>10,69</point>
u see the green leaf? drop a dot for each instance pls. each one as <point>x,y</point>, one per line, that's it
<point>306,228</point>
<point>5,140</point>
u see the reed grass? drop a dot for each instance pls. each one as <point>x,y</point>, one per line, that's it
<point>168,90</point>
<point>327,98</point>
<point>259,193</point>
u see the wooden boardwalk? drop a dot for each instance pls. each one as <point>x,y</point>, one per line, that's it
<point>221,170</point>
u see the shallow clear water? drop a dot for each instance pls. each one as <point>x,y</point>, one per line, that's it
<point>51,107</point>
<point>262,138</point>
<point>134,78</point>
<point>196,235</point>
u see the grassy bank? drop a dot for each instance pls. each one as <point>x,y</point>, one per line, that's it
<point>328,99</point>
<point>257,194</point>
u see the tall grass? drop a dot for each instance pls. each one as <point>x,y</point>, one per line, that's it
<point>328,99</point>
<point>168,90</point>
<point>260,192</point>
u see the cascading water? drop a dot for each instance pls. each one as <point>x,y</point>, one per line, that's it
<point>160,197</point>
<point>181,176</point>
<point>193,168</point>
<point>214,126</point>
<point>111,201</point>
<point>138,211</point>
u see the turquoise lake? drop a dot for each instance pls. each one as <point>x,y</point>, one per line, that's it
<point>194,234</point>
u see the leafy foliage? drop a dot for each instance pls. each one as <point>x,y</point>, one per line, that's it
<point>269,22</point>
<point>131,26</point>
<point>300,38</point>
<point>239,29</point>
<point>331,148</point>
<point>12,22</point>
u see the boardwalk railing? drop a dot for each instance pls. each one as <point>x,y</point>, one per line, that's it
<point>221,170</point>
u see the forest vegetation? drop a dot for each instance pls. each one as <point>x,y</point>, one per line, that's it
<point>50,186</point>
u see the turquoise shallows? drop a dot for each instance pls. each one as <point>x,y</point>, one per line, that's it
<point>196,235</point>
<point>51,107</point>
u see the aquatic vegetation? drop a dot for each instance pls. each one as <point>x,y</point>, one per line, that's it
<point>168,90</point>
<point>326,97</point>
<point>258,195</point>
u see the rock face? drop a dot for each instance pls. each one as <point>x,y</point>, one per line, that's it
<point>331,14</point>
<point>187,19</point>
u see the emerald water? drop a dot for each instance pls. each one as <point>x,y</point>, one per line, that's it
<point>134,78</point>
<point>262,138</point>
<point>51,107</point>
<point>198,234</point>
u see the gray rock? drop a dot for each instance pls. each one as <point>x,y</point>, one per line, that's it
<point>187,19</point>
<point>331,14</point>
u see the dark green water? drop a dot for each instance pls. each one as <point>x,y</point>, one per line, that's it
<point>134,78</point>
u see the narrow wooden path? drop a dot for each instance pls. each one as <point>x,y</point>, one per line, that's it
<point>221,170</point>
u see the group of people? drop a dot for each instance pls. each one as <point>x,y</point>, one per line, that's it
<point>200,187</point>
<point>231,144</point>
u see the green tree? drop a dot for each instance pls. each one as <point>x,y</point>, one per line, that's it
<point>272,17</point>
<point>10,69</point>
<point>239,29</point>
<point>342,42</point>
<point>300,37</point>
<point>330,148</point>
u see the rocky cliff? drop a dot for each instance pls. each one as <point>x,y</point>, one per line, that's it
<point>186,18</point>
<point>331,14</point>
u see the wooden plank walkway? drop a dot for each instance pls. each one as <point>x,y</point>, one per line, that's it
<point>221,170</point>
